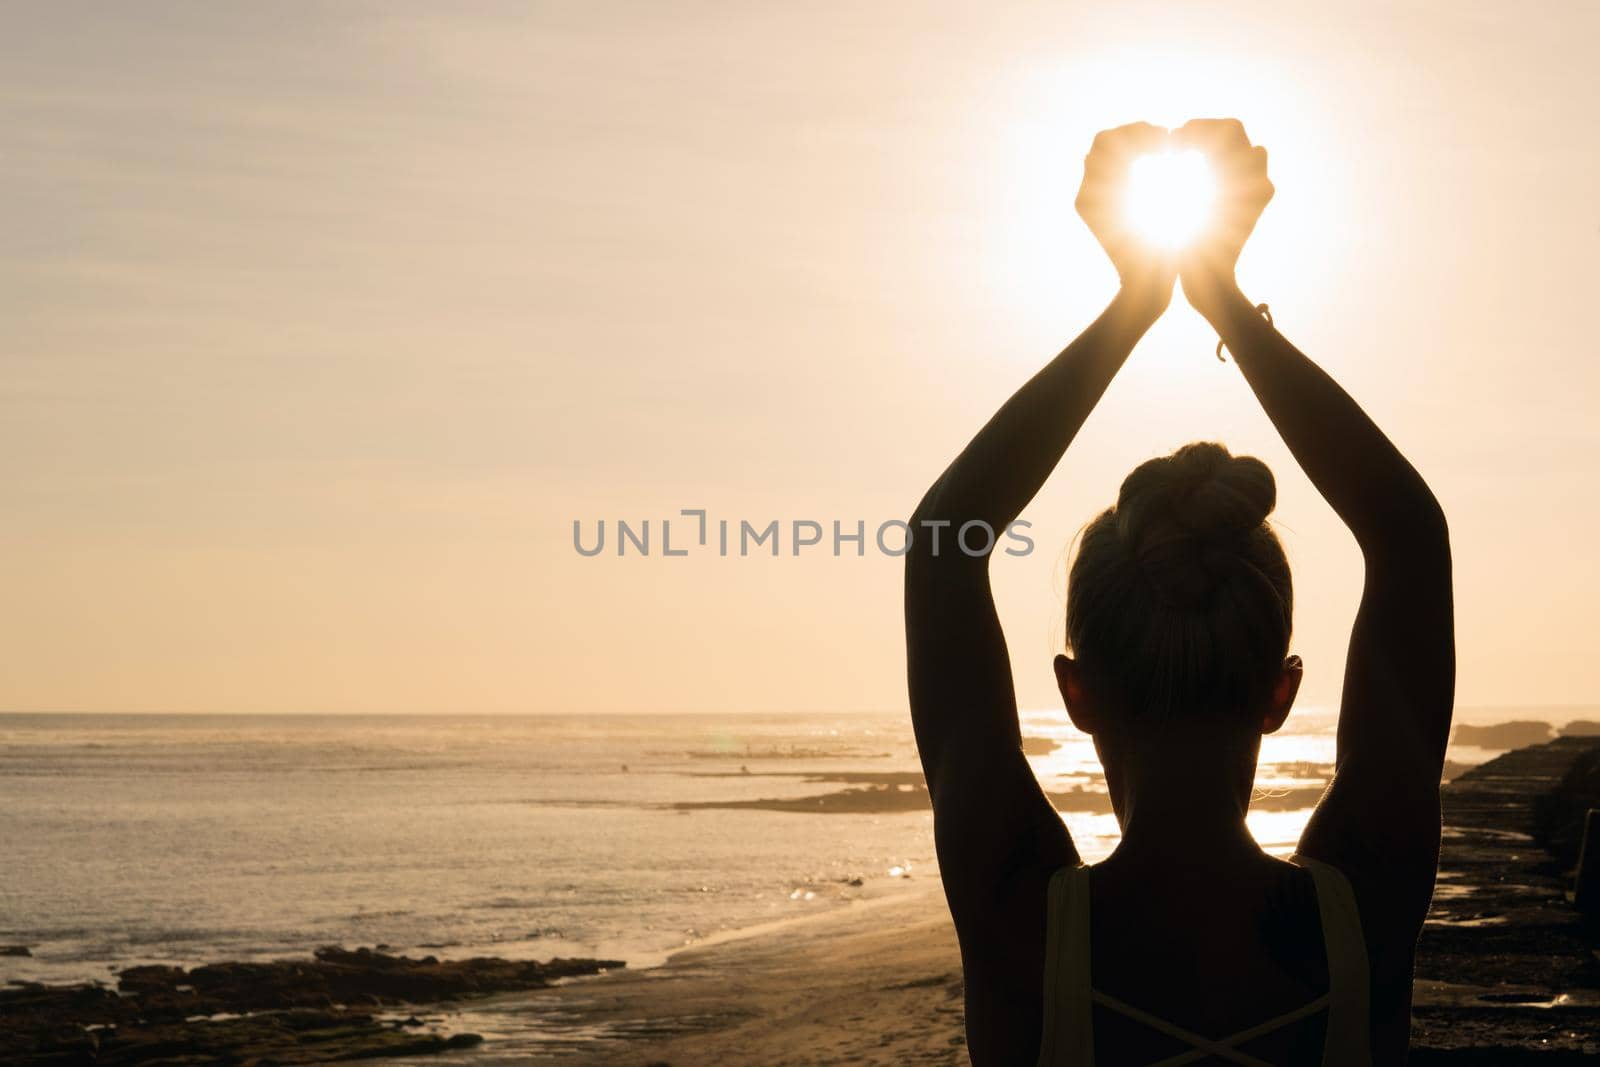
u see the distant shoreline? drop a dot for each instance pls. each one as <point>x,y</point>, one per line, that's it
<point>1552,713</point>
<point>895,792</point>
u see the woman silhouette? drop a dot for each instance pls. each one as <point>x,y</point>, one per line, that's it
<point>1188,944</point>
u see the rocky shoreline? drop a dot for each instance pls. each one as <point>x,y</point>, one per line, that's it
<point>1506,968</point>
<point>338,1005</point>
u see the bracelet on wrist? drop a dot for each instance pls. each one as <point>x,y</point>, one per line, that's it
<point>1264,310</point>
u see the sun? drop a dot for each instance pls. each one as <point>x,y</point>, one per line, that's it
<point>1169,197</point>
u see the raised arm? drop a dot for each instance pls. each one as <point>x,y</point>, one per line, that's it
<point>1379,821</point>
<point>990,818</point>
<point>1400,684</point>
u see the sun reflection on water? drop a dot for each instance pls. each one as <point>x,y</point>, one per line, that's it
<point>1295,761</point>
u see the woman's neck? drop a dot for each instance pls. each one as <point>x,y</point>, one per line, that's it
<point>1185,804</point>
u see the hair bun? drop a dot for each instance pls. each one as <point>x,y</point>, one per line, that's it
<point>1231,495</point>
<point>1202,488</point>
<point>1178,515</point>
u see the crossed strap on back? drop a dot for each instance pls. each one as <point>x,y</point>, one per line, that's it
<point>1206,1046</point>
<point>1068,1036</point>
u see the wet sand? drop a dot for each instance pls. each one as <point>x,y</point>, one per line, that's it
<point>874,983</point>
<point>1506,972</point>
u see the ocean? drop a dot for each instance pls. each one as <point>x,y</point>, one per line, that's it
<point>183,839</point>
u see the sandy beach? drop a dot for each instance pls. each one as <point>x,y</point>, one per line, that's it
<point>1506,971</point>
<point>877,982</point>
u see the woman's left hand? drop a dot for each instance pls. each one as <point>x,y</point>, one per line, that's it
<point>1244,190</point>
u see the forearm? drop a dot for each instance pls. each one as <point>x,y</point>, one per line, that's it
<point>1372,487</point>
<point>1004,466</point>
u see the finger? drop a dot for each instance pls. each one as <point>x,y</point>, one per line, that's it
<point>1114,149</point>
<point>1257,192</point>
<point>1254,185</point>
<point>1134,135</point>
<point>1216,135</point>
<point>1224,142</point>
<point>1251,188</point>
<point>1252,165</point>
<point>1142,137</point>
<point>1242,176</point>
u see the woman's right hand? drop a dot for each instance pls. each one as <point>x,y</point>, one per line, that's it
<point>1147,275</point>
<point>1243,190</point>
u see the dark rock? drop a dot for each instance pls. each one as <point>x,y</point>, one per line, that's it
<point>284,1011</point>
<point>1039,746</point>
<point>339,976</point>
<point>1504,968</point>
<point>15,950</point>
<point>1506,735</point>
<point>1558,815</point>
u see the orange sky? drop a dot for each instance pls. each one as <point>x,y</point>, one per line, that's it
<point>323,323</point>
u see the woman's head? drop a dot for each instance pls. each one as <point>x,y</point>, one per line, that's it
<point>1179,602</point>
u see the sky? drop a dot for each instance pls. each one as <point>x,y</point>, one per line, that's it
<point>321,325</point>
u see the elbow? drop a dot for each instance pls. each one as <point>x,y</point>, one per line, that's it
<point>1440,539</point>
<point>947,547</point>
<point>1437,525</point>
<point>1419,515</point>
<point>1414,514</point>
<point>1414,527</point>
<point>925,517</point>
<point>954,534</point>
<point>1426,518</point>
<point>929,506</point>
<point>919,553</point>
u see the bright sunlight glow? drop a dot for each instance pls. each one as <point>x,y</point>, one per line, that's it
<point>1169,197</point>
